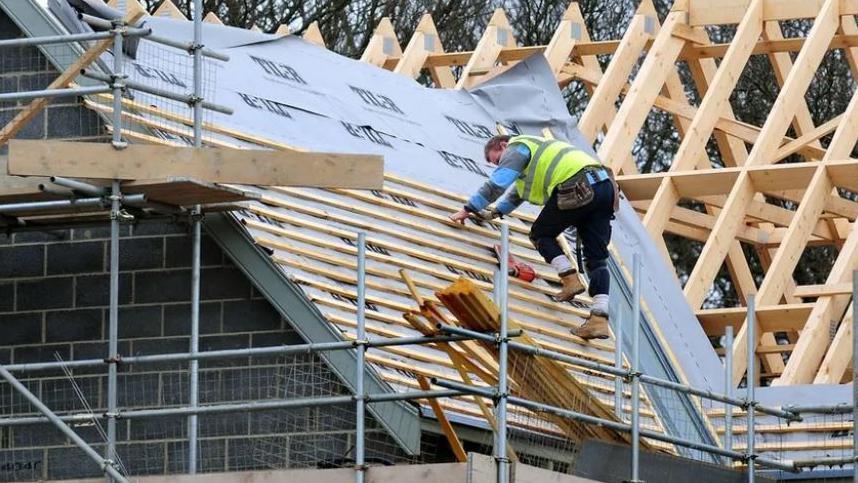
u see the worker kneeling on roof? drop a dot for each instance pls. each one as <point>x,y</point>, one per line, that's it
<point>575,190</point>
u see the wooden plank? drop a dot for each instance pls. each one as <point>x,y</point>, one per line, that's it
<point>561,318</point>
<point>743,131</point>
<point>596,115</point>
<point>565,36</point>
<point>645,88</point>
<point>823,290</point>
<point>716,248</point>
<point>839,355</point>
<point>834,363</point>
<point>775,349</point>
<point>730,11</point>
<point>382,45</point>
<point>781,66</point>
<point>284,168</point>
<point>446,427</point>
<point>814,341</point>
<point>791,96</point>
<point>784,109</point>
<point>63,80</point>
<point>772,318</point>
<point>784,262</point>
<point>498,34</point>
<point>812,136</point>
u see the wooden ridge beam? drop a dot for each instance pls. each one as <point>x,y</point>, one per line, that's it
<point>719,13</point>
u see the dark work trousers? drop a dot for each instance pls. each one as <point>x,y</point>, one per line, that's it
<point>593,222</point>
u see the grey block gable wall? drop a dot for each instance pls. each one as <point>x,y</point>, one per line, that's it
<point>53,303</point>
<point>25,68</point>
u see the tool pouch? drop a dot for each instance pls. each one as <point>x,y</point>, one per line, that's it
<point>575,192</point>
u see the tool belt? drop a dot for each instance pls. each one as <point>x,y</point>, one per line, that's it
<point>577,191</point>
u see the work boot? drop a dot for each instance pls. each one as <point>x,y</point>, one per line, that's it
<point>572,286</point>
<point>595,326</point>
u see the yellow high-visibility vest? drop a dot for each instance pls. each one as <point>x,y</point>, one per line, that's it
<point>551,163</point>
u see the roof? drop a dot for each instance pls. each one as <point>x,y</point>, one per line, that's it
<point>288,93</point>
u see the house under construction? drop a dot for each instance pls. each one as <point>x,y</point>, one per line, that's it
<point>227,254</point>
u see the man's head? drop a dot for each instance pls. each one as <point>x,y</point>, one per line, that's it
<point>495,147</point>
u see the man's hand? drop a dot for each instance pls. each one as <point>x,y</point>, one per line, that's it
<point>489,215</point>
<point>460,216</point>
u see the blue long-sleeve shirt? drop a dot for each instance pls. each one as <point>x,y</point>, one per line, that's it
<point>515,158</point>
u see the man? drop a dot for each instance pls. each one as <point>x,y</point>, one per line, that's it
<point>576,190</point>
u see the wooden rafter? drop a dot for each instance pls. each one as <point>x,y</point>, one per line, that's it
<point>382,45</point>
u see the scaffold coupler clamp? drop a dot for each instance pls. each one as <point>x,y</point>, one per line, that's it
<point>196,215</point>
<point>194,46</point>
<point>108,463</point>
<point>114,359</point>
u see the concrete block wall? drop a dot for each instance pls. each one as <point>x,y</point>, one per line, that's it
<point>54,303</point>
<point>25,69</point>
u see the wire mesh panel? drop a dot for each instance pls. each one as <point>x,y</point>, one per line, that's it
<point>172,70</point>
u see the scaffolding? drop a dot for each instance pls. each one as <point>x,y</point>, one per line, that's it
<point>503,339</point>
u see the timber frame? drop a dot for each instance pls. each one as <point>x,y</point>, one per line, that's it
<point>743,201</point>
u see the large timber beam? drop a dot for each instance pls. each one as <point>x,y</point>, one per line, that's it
<point>731,12</point>
<point>659,63</point>
<point>222,165</point>
<point>597,115</point>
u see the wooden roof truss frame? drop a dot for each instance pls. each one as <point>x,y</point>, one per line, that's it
<point>737,198</point>
<point>740,210</point>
